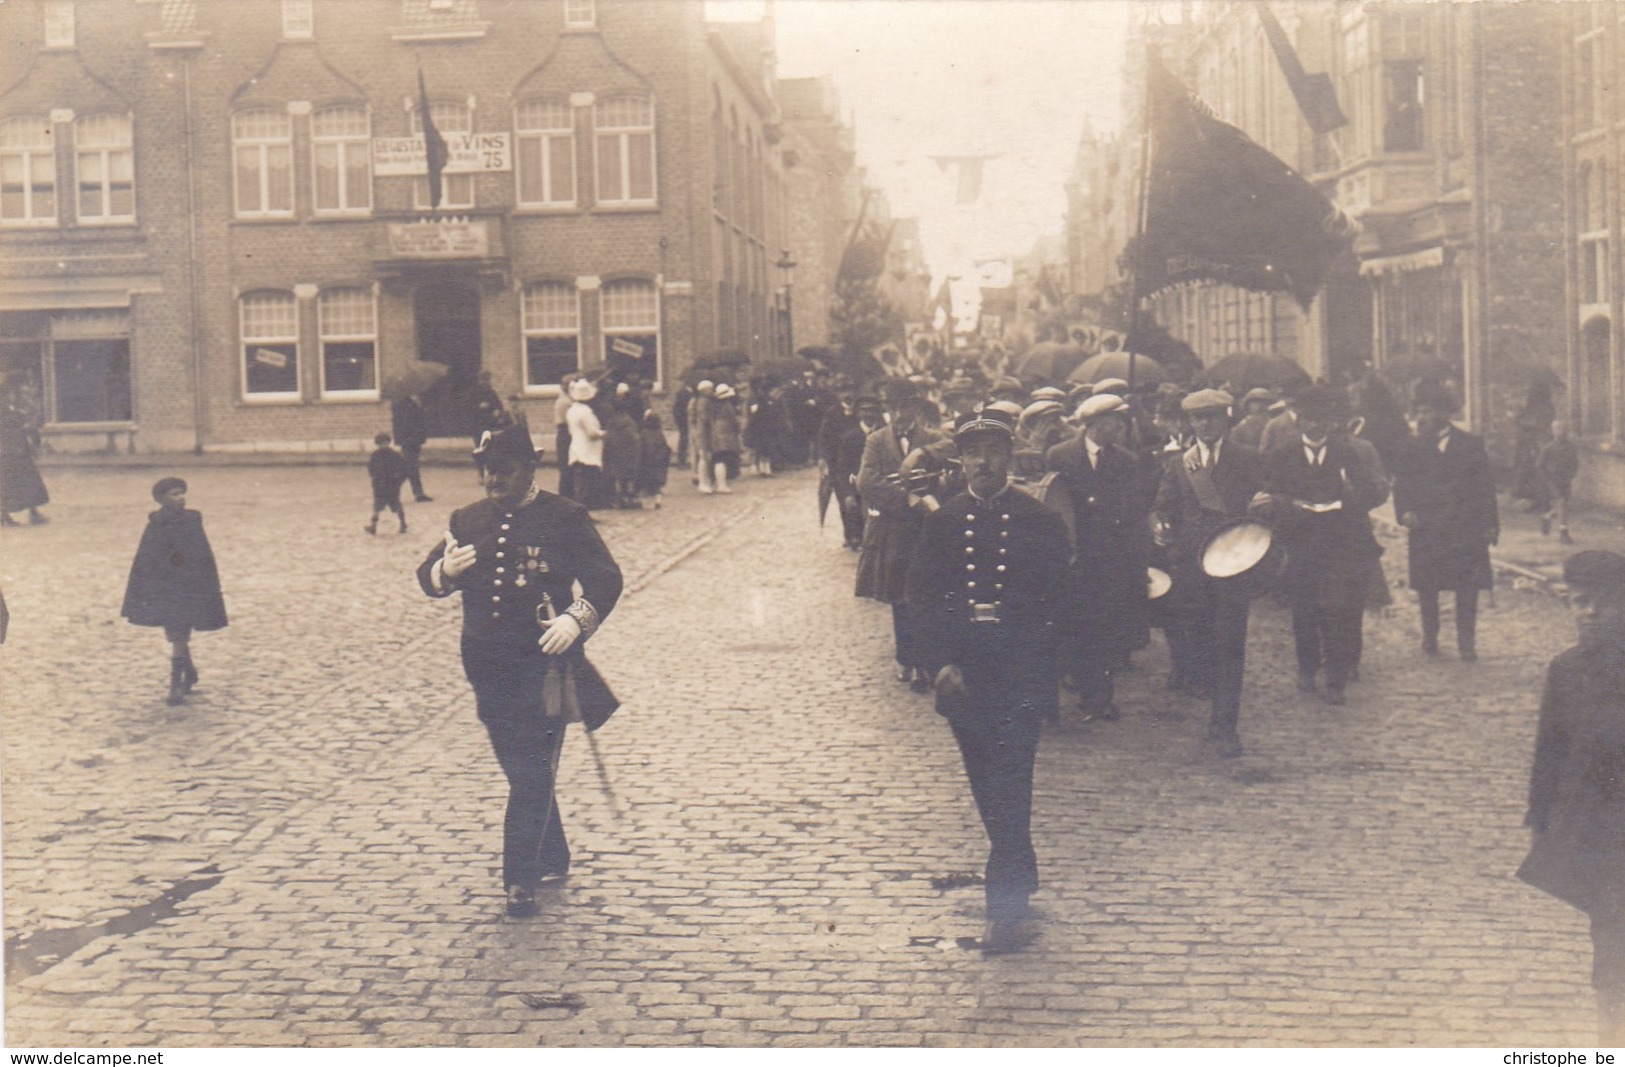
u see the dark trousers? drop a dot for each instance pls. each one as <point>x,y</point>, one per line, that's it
<point>567,481</point>
<point>1327,637</point>
<point>1216,644</point>
<point>414,475</point>
<point>851,508</point>
<point>905,623</point>
<point>509,698</point>
<point>1466,616</point>
<point>1093,667</point>
<point>999,751</point>
<point>587,486</point>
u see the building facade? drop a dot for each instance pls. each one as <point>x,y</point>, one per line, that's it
<point>215,228</point>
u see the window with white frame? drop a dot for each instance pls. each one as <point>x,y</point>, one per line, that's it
<point>580,14</point>
<point>341,158</point>
<point>624,128</point>
<point>1591,219</point>
<point>456,190</point>
<point>59,28</point>
<point>347,323</point>
<point>262,151</point>
<point>270,333</point>
<point>545,132</point>
<point>298,19</point>
<point>631,325</point>
<point>27,172</point>
<point>104,161</point>
<point>551,320</point>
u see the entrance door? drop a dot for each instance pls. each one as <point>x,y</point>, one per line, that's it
<point>448,328</point>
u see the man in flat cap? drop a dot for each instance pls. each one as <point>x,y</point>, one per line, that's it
<point>987,580</point>
<point>1255,416</point>
<point>536,581</point>
<point>1107,585</point>
<point>1444,495</point>
<point>1576,807</point>
<point>1322,484</point>
<point>1209,486</point>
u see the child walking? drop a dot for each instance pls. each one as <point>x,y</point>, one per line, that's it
<point>387,469</point>
<point>1557,463</point>
<point>173,582</point>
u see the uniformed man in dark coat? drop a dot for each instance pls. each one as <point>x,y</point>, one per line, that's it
<point>1322,484</point>
<point>1107,584</point>
<point>1576,804</point>
<point>1444,495</point>
<point>1203,490</point>
<point>987,580</point>
<point>515,556</point>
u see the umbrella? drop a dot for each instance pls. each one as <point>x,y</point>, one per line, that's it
<point>411,379</point>
<point>1050,361</point>
<point>826,490</point>
<point>708,371</point>
<point>1256,370</point>
<point>781,368</point>
<point>728,357</point>
<point>1147,371</point>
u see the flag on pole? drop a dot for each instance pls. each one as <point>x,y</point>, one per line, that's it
<point>968,172</point>
<point>944,302</point>
<point>1220,207</point>
<point>1314,93</point>
<point>435,152</point>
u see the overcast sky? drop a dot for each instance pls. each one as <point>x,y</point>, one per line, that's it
<point>921,78</point>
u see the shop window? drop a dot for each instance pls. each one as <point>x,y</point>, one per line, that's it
<point>347,322</point>
<point>27,172</point>
<point>76,363</point>
<point>551,319</point>
<point>456,190</point>
<point>341,155</point>
<point>625,147</point>
<point>262,146</point>
<point>105,164</point>
<point>545,132</point>
<point>631,324</point>
<point>270,333</point>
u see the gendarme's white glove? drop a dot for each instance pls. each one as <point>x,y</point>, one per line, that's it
<point>457,558</point>
<point>560,634</point>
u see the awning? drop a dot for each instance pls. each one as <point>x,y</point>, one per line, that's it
<point>1421,259</point>
<point>75,291</point>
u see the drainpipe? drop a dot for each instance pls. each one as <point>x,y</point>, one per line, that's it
<point>1477,396</point>
<point>199,409</point>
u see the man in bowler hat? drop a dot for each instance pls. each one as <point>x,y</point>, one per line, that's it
<point>514,556</point>
<point>986,580</point>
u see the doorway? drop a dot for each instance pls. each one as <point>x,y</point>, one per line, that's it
<point>447,313</point>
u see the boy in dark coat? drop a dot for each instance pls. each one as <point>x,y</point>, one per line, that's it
<point>173,582</point>
<point>1576,805</point>
<point>1557,464</point>
<point>654,457</point>
<point>1444,495</point>
<point>388,472</point>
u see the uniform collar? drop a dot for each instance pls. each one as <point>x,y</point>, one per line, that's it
<point>990,499</point>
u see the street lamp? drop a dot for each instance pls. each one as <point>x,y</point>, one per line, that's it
<point>788,267</point>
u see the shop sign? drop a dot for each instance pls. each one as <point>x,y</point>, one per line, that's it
<point>467,153</point>
<point>442,239</point>
<point>621,346</point>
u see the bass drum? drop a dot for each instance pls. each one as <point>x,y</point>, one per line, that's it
<point>1243,555</point>
<point>1051,492</point>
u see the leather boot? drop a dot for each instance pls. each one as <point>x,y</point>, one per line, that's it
<point>188,674</point>
<point>177,684</point>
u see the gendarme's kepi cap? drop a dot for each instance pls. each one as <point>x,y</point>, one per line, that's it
<point>510,443</point>
<point>986,418</point>
<point>1207,400</point>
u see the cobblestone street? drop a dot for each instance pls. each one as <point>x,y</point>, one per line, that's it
<point>766,844</point>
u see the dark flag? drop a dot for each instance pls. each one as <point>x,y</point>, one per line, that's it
<point>865,255</point>
<point>945,301</point>
<point>1220,207</point>
<point>435,152</point>
<point>1314,93</point>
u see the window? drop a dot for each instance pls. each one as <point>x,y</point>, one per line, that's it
<point>298,19</point>
<point>631,320</point>
<point>580,14</point>
<point>626,150</point>
<point>76,364</point>
<point>58,23</point>
<point>456,190</point>
<point>1404,127</point>
<point>105,164</point>
<point>262,143</point>
<point>347,321</point>
<point>341,155</point>
<point>1597,379</point>
<point>270,330</point>
<point>1591,75</point>
<point>547,154</point>
<point>1591,219</point>
<point>551,319</point>
<point>27,172</point>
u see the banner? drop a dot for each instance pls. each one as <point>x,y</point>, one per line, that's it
<point>467,153</point>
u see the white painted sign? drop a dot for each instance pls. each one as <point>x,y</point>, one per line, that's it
<point>622,346</point>
<point>442,239</point>
<point>271,358</point>
<point>468,153</point>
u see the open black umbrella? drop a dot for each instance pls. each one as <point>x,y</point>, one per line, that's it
<point>728,357</point>
<point>1049,361</point>
<point>1147,371</point>
<point>1256,370</point>
<point>410,379</point>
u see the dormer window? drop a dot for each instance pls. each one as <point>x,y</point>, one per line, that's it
<point>298,19</point>
<point>58,23</point>
<point>580,14</point>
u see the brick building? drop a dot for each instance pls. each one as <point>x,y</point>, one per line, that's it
<point>215,231</point>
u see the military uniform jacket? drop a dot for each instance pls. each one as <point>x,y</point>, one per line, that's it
<point>1108,579</point>
<point>1009,553</point>
<point>1452,493</point>
<point>1236,476</point>
<point>548,545</point>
